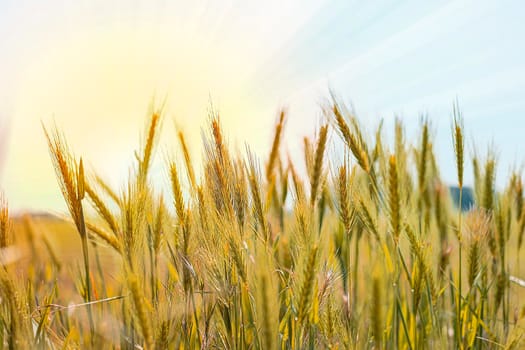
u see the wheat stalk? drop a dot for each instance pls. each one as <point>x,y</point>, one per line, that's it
<point>5,226</point>
<point>318,164</point>
<point>275,145</point>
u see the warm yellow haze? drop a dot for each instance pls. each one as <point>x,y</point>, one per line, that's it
<point>97,89</point>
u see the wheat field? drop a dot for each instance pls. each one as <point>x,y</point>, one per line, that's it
<point>365,250</point>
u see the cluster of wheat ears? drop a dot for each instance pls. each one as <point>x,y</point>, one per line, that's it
<point>367,253</point>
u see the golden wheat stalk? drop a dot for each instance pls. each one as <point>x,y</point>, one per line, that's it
<point>5,226</point>
<point>274,153</point>
<point>376,312</point>
<point>488,184</point>
<point>518,194</point>
<point>217,137</point>
<point>176,188</point>
<point>107,188</point>
<point>459,143</point>
<point>366,218</point>
<point>101,208</point>
<point>140,309</point>
<point>345,211</point>
<point>255,188</point>
<point>18,331</point>
<point>240,194</point>
<point>66,171</point>
<point>107,237</point>
<point>355,144</point>
<point>394,199</point>
<point>423,156</point>
<point>307,286</point>
<point>145,161</point>
<point>187,160</point>
<point>298,183</point>
<point>521,229</point>
<point>417,249</point>
<point>318,164</point>
<point>71,180</point>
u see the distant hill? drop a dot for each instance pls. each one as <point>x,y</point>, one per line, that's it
<point>467,200</point>
<point>38,215</point>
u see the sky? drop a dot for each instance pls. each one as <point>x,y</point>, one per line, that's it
<point>94,68</point>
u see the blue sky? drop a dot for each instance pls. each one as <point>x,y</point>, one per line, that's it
<point>93,67</point>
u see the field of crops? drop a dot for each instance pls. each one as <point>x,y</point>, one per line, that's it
<point>246,252</point>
